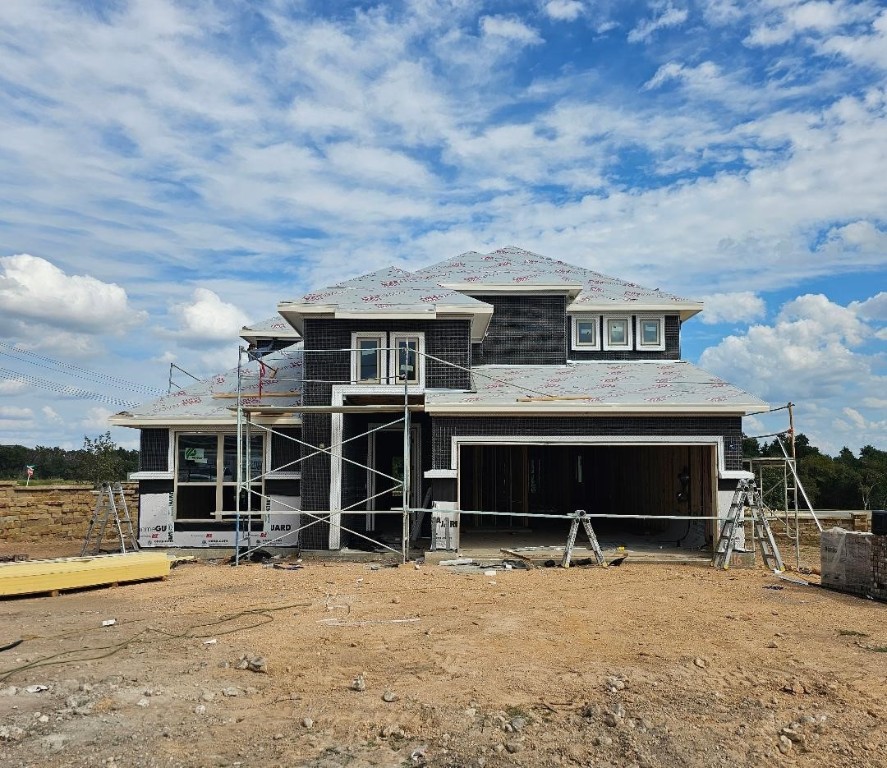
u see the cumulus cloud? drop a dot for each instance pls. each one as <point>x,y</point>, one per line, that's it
<point>670,17</point>
<point>32,288</point>
<point>814,354</point>
<point>737,307</point>
<point>509,28</point>
<point>207,320</point>
<point>563,10</point>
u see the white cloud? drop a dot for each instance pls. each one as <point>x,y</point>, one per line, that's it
<point>564,10</point>
<point>509,28</point>
<point>207,320</point>
<point>12,412</point>
<point>855,417</point>
<point>814,354</point>
<point>670,17</point>
<point>96,419</point>
<point>32,288</point>
<point>50,414</point>
<point>874,308</point>
<point>9,387</point>
<point>737,307</point>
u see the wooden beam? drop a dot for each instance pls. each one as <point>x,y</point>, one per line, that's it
<point>51,576</point>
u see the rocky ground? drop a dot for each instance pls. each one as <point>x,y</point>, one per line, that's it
<point>360,665</point>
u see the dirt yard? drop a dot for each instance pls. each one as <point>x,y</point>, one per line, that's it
<point>639,665</point>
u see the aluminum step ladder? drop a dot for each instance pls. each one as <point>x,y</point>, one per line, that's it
<point>581,516</point>
<point>748,496</point>
<point>110,507</point>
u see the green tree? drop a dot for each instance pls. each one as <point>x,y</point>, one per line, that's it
<point>102,461</point>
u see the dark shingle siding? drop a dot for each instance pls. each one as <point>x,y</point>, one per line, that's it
<point>524,330</point>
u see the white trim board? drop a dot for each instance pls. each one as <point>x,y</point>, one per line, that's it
<point>663,440</point>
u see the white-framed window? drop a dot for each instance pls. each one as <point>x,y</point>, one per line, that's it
<point>617,332</point>
<point>368,359</point>
<point>651,333</point>
<point>407,358</point>
<point>586,332</point>
<point>206,475</point>
<point>380,358</point>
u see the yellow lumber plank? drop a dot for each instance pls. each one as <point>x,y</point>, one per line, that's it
<point>36,576</point>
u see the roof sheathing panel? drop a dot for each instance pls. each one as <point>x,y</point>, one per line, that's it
<point>649,385</point>
<point>387,290</point>
<point>279,377</point>
<point>520,269</point>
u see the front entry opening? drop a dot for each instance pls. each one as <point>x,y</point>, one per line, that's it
<point>615,480</point>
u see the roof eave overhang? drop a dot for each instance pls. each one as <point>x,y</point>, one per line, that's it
<point>686,309</point>
<point>136,422</point>
<point>573,409</point>
<point>479,315</point>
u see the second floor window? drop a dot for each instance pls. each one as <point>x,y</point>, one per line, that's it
<point>384,358</point>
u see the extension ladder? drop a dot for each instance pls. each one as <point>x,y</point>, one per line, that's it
<point>747,495</point>
<point>110,507</point>
<point>581,516</point>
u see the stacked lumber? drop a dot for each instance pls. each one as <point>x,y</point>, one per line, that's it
<point>52,576</point>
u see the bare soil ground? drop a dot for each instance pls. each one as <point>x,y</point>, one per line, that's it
<point>641,665</point>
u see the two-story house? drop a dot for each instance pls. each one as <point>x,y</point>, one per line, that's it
<point>530,387</point>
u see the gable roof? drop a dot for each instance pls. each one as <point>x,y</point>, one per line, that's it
<point>597,387</point>
<point>513,269</point>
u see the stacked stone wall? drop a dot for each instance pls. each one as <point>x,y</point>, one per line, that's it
<point>42,512</point>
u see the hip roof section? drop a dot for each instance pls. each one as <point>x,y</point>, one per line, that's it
<point>595,387</point>
<point>275,384</point>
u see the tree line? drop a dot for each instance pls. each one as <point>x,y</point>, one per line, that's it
<point>99,460</point>
<point>845,481</point>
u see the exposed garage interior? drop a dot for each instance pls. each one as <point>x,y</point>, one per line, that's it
<point>612,479</point>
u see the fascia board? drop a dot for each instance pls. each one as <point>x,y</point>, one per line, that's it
<point>197,423</point>
<point>686,309</point>
<point>571,409</point>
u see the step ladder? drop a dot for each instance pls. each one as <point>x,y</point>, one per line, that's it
<point>110,507</point>
<point>581,516</point>
<point>748,496</point>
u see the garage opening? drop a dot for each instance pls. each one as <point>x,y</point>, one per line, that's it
<point>617,480</point>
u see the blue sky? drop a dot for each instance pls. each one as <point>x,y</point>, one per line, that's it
<point>170,170</point>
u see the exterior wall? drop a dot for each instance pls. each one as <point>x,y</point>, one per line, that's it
<point>37,512</point>
<point>728,427</point>
<point>524,330</point>
<point>154,450</point>
<point>672,349</point>
<point>449,340</point>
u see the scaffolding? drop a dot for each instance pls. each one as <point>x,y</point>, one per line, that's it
<point>246,478</point>
<point>253,500</point>
<point>781,489</point>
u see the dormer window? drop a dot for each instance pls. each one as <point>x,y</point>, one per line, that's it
<point>617,332</point>
<point>586,332</point>
<point>651,333</point>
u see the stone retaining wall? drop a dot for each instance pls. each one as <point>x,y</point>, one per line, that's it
<point>32,513</point>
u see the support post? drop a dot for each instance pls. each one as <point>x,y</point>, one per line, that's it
<point>239,441</point>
